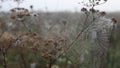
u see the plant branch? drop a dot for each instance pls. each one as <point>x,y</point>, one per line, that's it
<point>4,58</point>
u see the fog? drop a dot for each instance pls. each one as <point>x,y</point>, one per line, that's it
<point>60,5</point>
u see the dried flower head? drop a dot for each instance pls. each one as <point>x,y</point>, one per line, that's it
<point>20,15</point>
<point>114,20</point>
<point>105,0</point>
<point>35,15</point>
<point>92,10</point>
<point>31,6</point>
<point>13,10</point>
<point>97,10</point>
<point>49,40</point>
<point>102,13</point>
<point>83,9</point>
<point>56,44</point>
<point>13,17</point>
<point>97,3</point>
<point>62,39</point>
<point>27,14</point>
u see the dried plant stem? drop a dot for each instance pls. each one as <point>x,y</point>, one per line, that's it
<point>50,63</point>
<point>4,59</point>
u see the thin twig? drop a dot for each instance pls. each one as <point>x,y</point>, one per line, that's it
<point>4,58</point>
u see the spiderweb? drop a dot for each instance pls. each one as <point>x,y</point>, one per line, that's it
<point>89,50</point>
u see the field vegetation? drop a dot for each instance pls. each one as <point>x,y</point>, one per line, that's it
<point>37,39</point>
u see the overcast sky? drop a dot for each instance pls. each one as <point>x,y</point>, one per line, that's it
<point>61,5</point>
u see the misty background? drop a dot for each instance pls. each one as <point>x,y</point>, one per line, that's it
<point>60,5</point>
<point>56,20</point>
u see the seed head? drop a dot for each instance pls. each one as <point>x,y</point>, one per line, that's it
<point>84,9</point>
<point>114,20</point>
